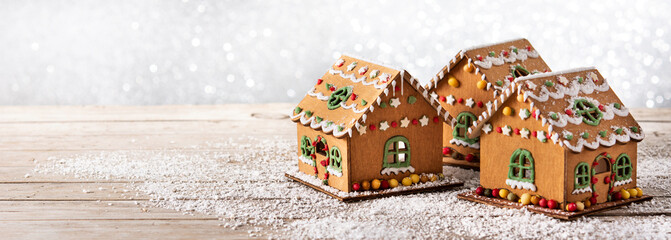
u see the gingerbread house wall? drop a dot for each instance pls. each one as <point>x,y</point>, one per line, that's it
<point>588,156</point>
<point>467,89</point>
<point>342,143</point>
<point>367,150</point>
<point>497,149</point>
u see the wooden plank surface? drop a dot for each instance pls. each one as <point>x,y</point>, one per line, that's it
<point>42,206</point>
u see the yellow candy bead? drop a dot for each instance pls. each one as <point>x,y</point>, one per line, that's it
<point>482,84</point>
<point>415,178</point>
<point>393,183</point>
<point>588,204</point>
<point>520,98</point>
<point>640,192</point>
<point>535,199</point>
<point>406,181</point>
<point>625,194</point>
<point>469,67</point>
<point>375,184</point>
<point>503,193</point>
<point>453,82</point>
<point>525,199</point>
<point>633,192</point>
<point>434,178</point>
<point>507,111</point>
<point>365,185</point>
<point>580,206</point>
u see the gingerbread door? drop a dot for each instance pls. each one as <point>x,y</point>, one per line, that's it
<point>601,178</point>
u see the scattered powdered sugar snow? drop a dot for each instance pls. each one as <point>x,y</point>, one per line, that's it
<point>242,182</point>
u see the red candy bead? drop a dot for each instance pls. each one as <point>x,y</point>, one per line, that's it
<point>319,81</point>
<point>595,180</point>
<point>384,184</point>
<point>460,100</point>
<point>394,124</point>
<point>415,122</point>
<point>479,58</point>
<point>353,96</point>
<point>592,200</point>
<point>606,180</point>
<point>552,204</point>
<point>571,207</point>
<point>517,131</point>
<point>600,107</point>
<point>323,163</point>
<point>447,151</point>
<point>569,112</point>
<point>436,119</point>
<point>356,186</point>
<point>534,134</point>
<point>442,98</point>
<point>499,130</point>
<point>617,196</point>
<point>495,192</point>
<point>543,202</point>
<point>480,104</point>
<point>332,88</point>
<point>326,175</point>
<point>470,157</point>
<point>480,191</point>
<point>372,127</point>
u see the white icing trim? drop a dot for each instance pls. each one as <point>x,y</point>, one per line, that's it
<point>319,96</point>
<point>333,171</point>
<point>362,80</point>
<point>547,74</point>
<point>622,182</point>
<point>306,160</point>
<point>396,171</point>
<point>465,144</point>
<point>323,125</point>
<point>574,88</point>
<point>582,190</point>
<point>625,137</point>
<point>521,55</point>
<point>520,185</point>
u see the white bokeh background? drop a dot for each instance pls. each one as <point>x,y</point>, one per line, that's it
<point>208,52</point>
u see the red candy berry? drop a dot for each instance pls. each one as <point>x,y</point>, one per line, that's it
<point>447,151</point>
<point>601,107</point>
<point>606,180</point>
<point>517,131</point>
<point>479,58</point>
<point>495,192</point>
<point>315,170</point>
<point>326,175</point>
<point>543,202</point>
<point>480,191</point>
<point>353,96</point>
<point>319,81</point>
<point>436,119</point>
<point>356,186</point>
<point>592,200</point>
<point>470,157</point>
<point>372,127</point>
<point>552,204</point>
<point>571,207</point>
<point>505,53</point>
<point>442,98</point>
<point>534,133</point>
<point>595,180</point>
<point>394,124</point>
<point>460,100</point>
<point>569,112</point>
<point>499,130</point>
<point>617,196</point>
<point>332,88</point>
<point>323,163</point>
<point>528,48</point>
<point>480,104</point>
<point>415,122</point>
<point>384,184</point>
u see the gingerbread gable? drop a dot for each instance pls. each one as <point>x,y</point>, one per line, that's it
<point>578,107</point>
<point>351,89</point>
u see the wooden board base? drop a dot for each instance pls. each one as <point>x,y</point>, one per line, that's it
<point>461,163</point>
<point>376,194</point>
<point>555,213</point>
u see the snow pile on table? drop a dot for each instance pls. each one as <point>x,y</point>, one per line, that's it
<point>243,183</point>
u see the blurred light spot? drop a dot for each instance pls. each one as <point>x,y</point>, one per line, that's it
<point>50,69</point>
<point>153,68</point>
<point>193,67</point>
<point>654,79</point>
<point>230,78</point>
<point>15,87</point>
<point>227,47</point>
<point>659,99</point>
<point>210,89</point>
<point>649,103</point>
<point>195,42</point>
<point>201,8</point>
<point>267,32</point>
<point>134,25</point>
<point>35,46</point>
<point>125,87</point>
<point>249,83</point>
<point>230,56</point>
<point>291,93</point>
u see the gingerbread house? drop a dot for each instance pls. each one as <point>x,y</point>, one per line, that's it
<point>363,121</point>
<point>468,85</point>
<point>561,136</point>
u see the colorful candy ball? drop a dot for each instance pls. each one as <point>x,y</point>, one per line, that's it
<point>588,203</point>
<point>414,178</point>
<point>640,192</point>
<point>356,186</point>
<point>617,196</point>
<point>480,191</point>
<point>571,207</point>
<point>384,184</point>
<point>512,197</point>
<point>424,178</point>
<point>495,192</point>
<point>525,199</point>
<point>503,193</point>
<point>393,183</point>
<point>552,204</point>
<point>633,192</point>
<point>580,206</point>
<point>453,82</point>
<point>406,181</point>
<point>433,178</point>
<point>625,194</point>
<point>375,184</point>
<point>543,202</point>
<point>482,84</point>
<point>365,185</point>
<point>488,192</point>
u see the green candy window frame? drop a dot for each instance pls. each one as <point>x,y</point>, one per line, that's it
<point>396,152</point>
<point>339,96</point>
<point>464,120</point>
<point>590,114</point>
<point>582,175</point>
<point>622,167</point>
<point>521,167</point>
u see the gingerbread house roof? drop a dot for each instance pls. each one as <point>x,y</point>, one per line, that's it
<point>578,107</point>
<point>367,81</point>
<point>495,62</point>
